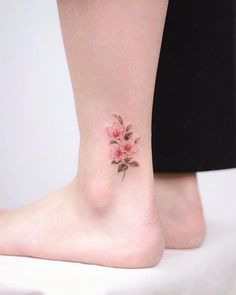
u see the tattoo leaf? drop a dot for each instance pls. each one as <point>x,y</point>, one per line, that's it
<point>128,135</point>
<point>119,119</point>
<point>114,162</point>
<point>137,139</point>
<point>134,164</point>
<point>113,141</point>
<point>128,127</point>
<point>122,167</point>
<point>127,159</point>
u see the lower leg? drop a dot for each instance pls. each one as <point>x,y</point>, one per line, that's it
<point>180,209</point>
<point>112,49</point>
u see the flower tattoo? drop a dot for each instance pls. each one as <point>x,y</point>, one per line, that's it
<point>122,145</point>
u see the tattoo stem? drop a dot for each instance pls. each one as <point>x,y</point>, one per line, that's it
<point>123,175</point>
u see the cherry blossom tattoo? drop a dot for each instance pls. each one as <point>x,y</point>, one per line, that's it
<point>122,145</point>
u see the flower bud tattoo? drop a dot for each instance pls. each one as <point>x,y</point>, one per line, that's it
<point>122,145</point>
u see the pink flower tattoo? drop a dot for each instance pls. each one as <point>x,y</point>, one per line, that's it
<point>122,145</point>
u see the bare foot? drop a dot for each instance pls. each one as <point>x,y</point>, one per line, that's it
<point>67,225</point>
<point>180,209</point>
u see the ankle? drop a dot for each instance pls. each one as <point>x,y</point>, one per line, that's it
<point>97,193</point>
<point>100,182</point>
<point>177,184</point>
<point>110,192</point>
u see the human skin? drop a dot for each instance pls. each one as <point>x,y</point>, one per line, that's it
<point>112,49</point>
<point>180,208</point>
<point>178,198</point>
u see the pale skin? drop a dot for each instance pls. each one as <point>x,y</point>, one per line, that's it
<point>180,208</point>
<point>112,49</point>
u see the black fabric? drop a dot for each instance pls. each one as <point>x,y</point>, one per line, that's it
<point>194,108</point>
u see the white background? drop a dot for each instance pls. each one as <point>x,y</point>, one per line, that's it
<point>39,141</point>
<point>39,137</point>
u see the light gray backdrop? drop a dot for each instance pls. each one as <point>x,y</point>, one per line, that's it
<point>39,138</point>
